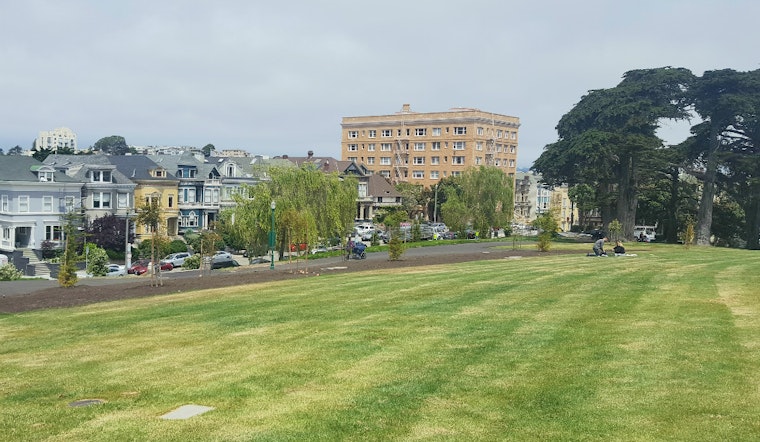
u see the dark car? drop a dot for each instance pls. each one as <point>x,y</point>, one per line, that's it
<point>448,235</point>
<point>223,259</point>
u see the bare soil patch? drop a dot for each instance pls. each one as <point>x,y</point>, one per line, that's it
<point>99,290</point>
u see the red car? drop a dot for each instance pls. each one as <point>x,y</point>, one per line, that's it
<point>142,266</point>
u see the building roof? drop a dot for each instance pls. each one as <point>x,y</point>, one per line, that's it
<point>77,166</point>
<point>138,167</point>
<point>24,168</point>
<point>173,162</point>
<point>378,185</point>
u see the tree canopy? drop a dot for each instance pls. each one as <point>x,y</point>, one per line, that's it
<point>113,145</point>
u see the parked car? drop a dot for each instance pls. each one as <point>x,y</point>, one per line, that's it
<point>448,235</point>
<point>115,270</point>
<point>259,260</point>
<point>176,259</point>
<point>142,266</point>
<point>223,259</point>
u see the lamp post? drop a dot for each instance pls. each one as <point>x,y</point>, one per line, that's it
<point>271,239</point>
<point>127,248</point>
<point>435,205</point>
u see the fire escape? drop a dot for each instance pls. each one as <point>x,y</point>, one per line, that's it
<point>401,160</point>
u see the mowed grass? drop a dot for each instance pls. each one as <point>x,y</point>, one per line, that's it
<point>661,346</point>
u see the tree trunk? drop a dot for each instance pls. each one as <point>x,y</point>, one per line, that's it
<point>752,218</point>
<point>704,217</point>
<point>671,225</point>
<point>627,197</point>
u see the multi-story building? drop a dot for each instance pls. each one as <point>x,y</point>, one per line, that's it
<point>106,191</point>
<point>423,148</point>
<point>153,183</point>
<point>533,198</point>
<point>33,199</point>
<point>55,139</point>
<point>199,189</point>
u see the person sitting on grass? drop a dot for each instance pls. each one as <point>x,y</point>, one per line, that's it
<point>619,249</point>
<point>599,247</point>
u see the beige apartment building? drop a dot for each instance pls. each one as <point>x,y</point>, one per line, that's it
<point>423,148</point>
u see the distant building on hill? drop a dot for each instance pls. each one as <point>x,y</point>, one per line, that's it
<point>60,138</point>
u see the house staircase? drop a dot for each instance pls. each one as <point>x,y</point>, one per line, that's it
<point>41,269</point>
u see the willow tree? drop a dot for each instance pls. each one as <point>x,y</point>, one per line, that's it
<point>488,194</point>
<point>328,201</point>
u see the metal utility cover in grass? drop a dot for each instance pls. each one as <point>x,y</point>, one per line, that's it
<point>186,412</point>
<point>86,402</point>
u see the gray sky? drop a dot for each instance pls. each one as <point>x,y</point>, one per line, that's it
<point>277,77</point>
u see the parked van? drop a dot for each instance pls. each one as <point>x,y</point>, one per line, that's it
<point>644,233</point>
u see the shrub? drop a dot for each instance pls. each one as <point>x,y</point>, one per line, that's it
<point>177,246</point>
<point>97,261</point>
<point>9,272</point>
<point>547,225</point>
<point>192,261</point>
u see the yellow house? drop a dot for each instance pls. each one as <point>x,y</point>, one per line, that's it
<point>153,182</point>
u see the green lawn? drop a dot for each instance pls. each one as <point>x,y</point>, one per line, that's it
<point>661,346</point>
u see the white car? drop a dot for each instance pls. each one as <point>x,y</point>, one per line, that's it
<point>116,270</point>
<point>176,259</point>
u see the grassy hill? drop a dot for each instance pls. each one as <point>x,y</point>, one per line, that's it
<point>661,346</point>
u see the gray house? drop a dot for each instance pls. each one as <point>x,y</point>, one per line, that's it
<point>33,198</point>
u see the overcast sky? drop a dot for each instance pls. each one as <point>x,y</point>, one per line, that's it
<point>276,78</point>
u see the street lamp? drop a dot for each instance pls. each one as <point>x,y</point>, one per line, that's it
<point>127,248</point>
<point>271,239</point>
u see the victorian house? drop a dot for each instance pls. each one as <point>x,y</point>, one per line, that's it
<point>33,199</point>
<point>199,189</point>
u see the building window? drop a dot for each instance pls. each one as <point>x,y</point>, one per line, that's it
<point>386,133</point>
<point>420,132</point>
<point>511,163</point>
<point>434,175</point>
<point>498,133</point>
<point>23,204</point>
<point>372,133</point>
<point>435,145</point>
<point>370,160</point>
<point>354,159</point>
<point>480,131</point>
<point>45,176</point>
<point>419,146</point>
<point>479,145</point>
<point>122,200</point>
<point>171,201</point>
<point>455,173</point>
<point>47,203</point>
<point>418,160</point>
<point>353,133</point>
<point>457,160</point>
<point>371,147</point>
<point>460,130</point>
<point>353,147</point>
<point>188,195</point>
<point>513,135</point>
<point>52,233</point>
<point>230,170</point>
<point>385,160</point>
<point>101,200</point>
<point>478,161</point>
<point>362,190</point>
<point>418,174</point>
<point>4,203</point>
<point>386,147</point>
<point>101,176</point>
<point>435,160</point>
<point>385,173</point>
<point>436,131</point>
<point>459,145</point>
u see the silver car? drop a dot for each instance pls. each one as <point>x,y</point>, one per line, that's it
<point>176,259</point>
